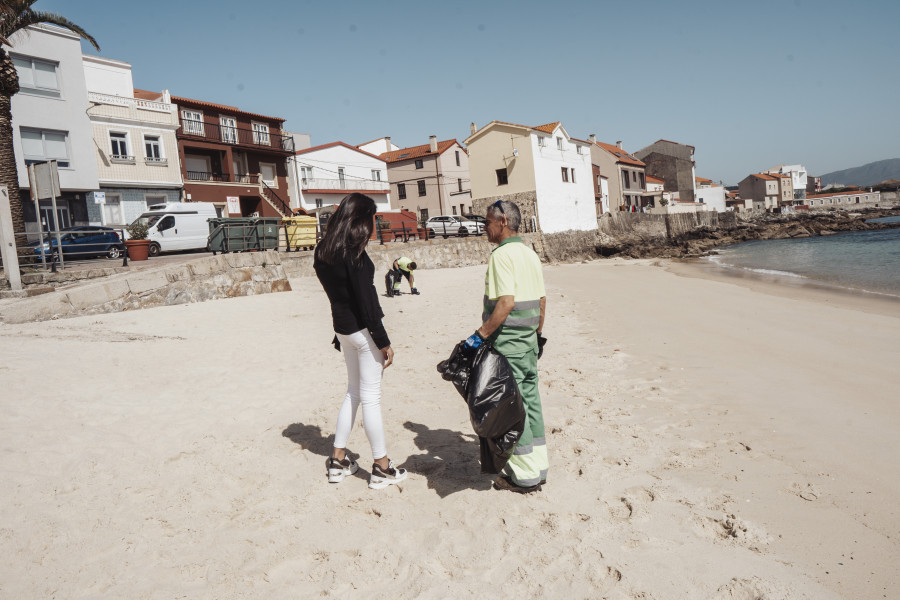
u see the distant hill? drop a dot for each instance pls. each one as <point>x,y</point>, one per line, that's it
<point>869,174</point>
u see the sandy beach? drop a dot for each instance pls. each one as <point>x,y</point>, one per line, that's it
<point>708,438</point>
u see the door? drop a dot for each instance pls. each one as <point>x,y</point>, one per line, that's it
<point>47,223</point>
<point>267,174</point>
<point>166,234</point>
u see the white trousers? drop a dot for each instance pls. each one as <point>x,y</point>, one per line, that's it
<point>364,369</point>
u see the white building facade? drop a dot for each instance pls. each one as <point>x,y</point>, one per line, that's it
<point>50,122</point>
<point>543,169</point>
<point>799,177</point>
<point>322,175</point>
<point>136,148</point>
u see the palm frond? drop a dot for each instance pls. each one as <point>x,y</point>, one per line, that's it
<point>26,17</point>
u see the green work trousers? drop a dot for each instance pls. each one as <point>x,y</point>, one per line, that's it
<point>529,463</point>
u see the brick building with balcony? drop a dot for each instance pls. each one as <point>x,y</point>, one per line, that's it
<point>233,159</point>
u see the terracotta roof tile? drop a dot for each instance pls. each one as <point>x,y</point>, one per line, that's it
<point>765,176</point>
<point>415,151</point>
<point>847,193</point>
<point>621,155</point>
<point>179,100</point>
<point>146,95</point>
<point>548,128</point>
<point>344,144</point>
<point>653,179</point>
<point>702,180</point>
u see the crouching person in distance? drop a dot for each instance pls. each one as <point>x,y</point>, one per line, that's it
<point>405,267</point>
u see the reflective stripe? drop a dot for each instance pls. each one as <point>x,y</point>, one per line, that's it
<point>521,305</point>
<point>522,322</point>
<point>520,450</point>
<point>539,441</point>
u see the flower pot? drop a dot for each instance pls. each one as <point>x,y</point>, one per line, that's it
<point>138,249</point>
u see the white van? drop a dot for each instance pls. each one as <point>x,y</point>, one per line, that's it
<point>178,226</point>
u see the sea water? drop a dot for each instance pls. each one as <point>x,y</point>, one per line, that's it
<point>858,261</point>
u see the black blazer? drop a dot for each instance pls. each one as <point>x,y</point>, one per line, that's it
<point>354,302</point>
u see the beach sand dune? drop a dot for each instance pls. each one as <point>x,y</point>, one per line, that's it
<point>706,440</point>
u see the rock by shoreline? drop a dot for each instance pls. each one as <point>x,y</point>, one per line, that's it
<point>704,240</point>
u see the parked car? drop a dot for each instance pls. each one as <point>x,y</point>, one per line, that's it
<point>447,225</point>
<point>477,218</point>
<point>82,242</point>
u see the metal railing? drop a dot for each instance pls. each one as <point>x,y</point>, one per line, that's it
<point>221,177</point>
<point>236,135</point>
<point>344,184</point>
<point>41,249</point>
<point>275,199</point>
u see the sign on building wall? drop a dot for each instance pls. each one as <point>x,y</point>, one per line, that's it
<point>234,205</point>
<point>99,197</point>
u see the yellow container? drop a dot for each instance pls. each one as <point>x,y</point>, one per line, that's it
<point>300,231</point>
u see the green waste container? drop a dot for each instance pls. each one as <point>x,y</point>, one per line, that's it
<point>243,233</point>
<point>300,231</point>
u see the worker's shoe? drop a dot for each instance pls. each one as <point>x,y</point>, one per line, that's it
<point>338,469</point>
<point>414,291</point>
<point>505,483</point>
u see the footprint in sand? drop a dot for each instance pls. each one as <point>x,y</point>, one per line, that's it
<point>633,504</point>
<point>806,491</point>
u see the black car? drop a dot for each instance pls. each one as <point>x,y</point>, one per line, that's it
<point>82,242</point>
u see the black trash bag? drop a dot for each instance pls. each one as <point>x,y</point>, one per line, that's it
<point>485,381</point>
<point>390,278</point>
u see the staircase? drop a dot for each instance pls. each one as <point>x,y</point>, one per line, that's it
<point>269,195</point>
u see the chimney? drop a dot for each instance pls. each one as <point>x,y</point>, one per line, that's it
<point>432,143</point>
<point>472,128</point>
<point>387,144</point>
<point>592,139</point>
<point>619,144</point>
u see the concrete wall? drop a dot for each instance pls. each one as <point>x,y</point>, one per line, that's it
<point>108,76</point>
<point>66,113</point>
<point>713,197</point>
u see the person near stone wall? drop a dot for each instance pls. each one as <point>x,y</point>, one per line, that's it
<point>512,319</point>
<point>404,267</point>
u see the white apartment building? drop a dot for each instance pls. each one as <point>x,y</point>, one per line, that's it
<point>542,169</point>
<point>799,176</point>
<point>136,148</point>
<point>322,175</point>
<point>50,122</point>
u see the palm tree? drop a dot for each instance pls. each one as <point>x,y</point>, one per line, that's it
<point>16,15</point>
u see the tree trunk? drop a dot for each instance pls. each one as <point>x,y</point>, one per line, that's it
<point>9,86</point>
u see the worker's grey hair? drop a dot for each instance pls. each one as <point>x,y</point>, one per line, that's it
<point>510,211</point>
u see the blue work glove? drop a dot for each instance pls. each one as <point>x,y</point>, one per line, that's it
<point>473,341</point>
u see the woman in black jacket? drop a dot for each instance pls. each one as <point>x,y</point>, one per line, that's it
<point>347,274</point>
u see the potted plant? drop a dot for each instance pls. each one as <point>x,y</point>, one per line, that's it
<point>137,243</point>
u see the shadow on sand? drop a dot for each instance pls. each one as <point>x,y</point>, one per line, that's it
<point>449,460</point>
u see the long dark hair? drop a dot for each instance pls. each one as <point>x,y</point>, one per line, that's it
<point>348,230</point>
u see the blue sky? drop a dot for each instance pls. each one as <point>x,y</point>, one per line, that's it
<point>750,85</point>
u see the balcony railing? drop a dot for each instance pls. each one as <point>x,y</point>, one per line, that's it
<point>222,177</point>
<point>344,184</point>
<point>131,102</point>
<point>236,135</point>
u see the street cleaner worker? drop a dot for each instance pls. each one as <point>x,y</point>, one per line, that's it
<point>513,319</point>
<point>405,267</point>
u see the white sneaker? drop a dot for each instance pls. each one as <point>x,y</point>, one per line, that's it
<point>338,469</point>
<point>381,478</point>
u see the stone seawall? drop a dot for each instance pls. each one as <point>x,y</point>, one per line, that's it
<point>223,276</point>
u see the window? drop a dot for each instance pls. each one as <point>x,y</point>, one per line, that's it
<point>457,158</point>
<point>634,177</point>
<point>573,174</point>
<point>39,145</point>
<point>559,143</point>
<point>37,76</point>
<point>153,149</point>
<point>192,122</point>
<point>376,174</point>
<point>119,144</point>
<point>228,129</point>
<point>578,149</point>
<point>459,184</point>
<point>540,142</point>
<point>565,175</point>
<point>306,173</point>
<point>423,214</point>
<point>643,181</point>
<point>168,222</point>
<point>502,178</point>
<point>421,184</point>
<point>151,199</point>
<point>341,175</point>
<point>625,180</point>
<point>112,210</point>
<point>318,203</point>
<point>401,191</point>
<point>453,208</point>
<point>268,174</point>
<point>418,163</point>
<point>260,133</point>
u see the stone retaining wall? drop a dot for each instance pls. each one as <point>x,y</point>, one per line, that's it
<point>223,276</point>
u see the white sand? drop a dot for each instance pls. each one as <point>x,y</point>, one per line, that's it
<point>706,440</point>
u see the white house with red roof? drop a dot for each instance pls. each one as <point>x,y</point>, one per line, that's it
<point>709,193</point>
<point>544,170</point>
<point>323,175</point>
